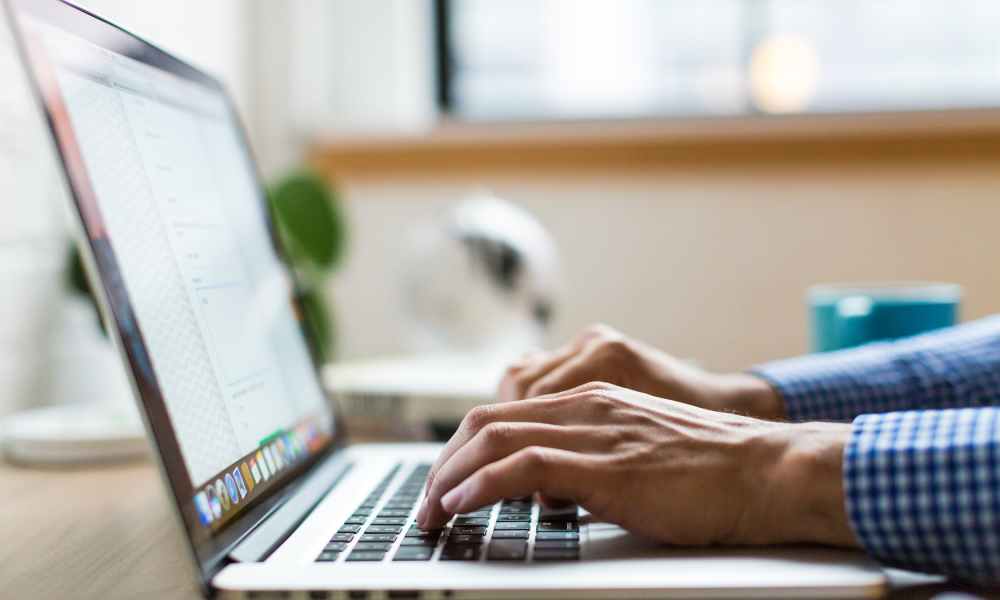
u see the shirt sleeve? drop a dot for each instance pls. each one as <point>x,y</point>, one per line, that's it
<point>923,490</point>
<point>951,368</point>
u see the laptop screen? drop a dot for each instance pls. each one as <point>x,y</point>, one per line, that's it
<point>180,233</point>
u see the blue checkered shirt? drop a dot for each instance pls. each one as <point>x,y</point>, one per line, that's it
<point>922,467</point>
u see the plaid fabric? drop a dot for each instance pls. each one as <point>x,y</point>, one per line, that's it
<point>923,490</point>
<point>951,368</point>
<point>922,486</point>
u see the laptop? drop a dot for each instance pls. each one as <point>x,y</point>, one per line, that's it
<point>201,305</point>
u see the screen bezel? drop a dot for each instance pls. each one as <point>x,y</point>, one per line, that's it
<point>208,549</point>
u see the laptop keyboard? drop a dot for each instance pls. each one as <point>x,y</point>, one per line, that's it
<point>381,529</point>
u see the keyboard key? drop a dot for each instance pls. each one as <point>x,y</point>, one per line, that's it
<point>460,553</point>
<point>507,525</point>
<point>556,554</point>
<point>381,546</point>
<point>394,512</point>
<point>513,518</point>
<point>414,553</point>
<point>557,535</point>
<point>469,531</point>
<point>342,537</point>
<point>356,520</point>
<point>558,514</point>
<point>418,532</point>
<point>389,521</point>
<point>383,529</point>
<point>515,510</point>
<point>507,550</point>
<point>464,539</point>
<point>430,542</point>
<point>365,555</point>
<point>335,547</point>
<point>510,534</point>
<point>556,545</point>
<point>478,522</point>
<point>349,529</point>
<point>558,526</point>
<point>378,537</point>
<point>327,556</point>
<point>362,512</point>
<point>481,513</point>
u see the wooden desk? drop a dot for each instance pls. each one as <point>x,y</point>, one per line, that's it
<point>109,533</point>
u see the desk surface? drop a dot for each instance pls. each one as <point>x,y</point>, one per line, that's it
<point>109,533</point>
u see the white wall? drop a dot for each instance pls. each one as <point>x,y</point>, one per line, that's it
<point>710,264</point>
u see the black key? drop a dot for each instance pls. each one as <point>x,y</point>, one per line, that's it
<point>335,547</point>
<point>556,554</point>
<point>342,537</point>
<point>327,556</point>
<point>389,521</point>
<point>510,534</point>
<point>379,546</point>
<point>365,555</point>
<point>383,529</point>
<point>515,510</point>
<point>507,525</point>
<point>460,553</point>
<point>429,542</point>
<point>468,531</point>
<point>513,518</point>
<point>349,529</point>
<point>357,520</point>
<point>558,514</point>
<point>507,550</point>
<point>483,512</point>
<point>394,512</point>
<point>400,503</point>
<point>557,535</point>
<point>378,537</point>
<point>454,540</point>
<point>362,512</point>
<point>521,500</point>
<point>558,526</point>
<point>414,553</point>
<point>557,544</point>
<point>477,521</point>
<point>418,532</point>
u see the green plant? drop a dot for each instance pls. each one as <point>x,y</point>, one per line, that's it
<point>311,228</point>
<point>313,233</point>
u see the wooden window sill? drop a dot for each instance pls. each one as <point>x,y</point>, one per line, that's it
<point>456,148</point>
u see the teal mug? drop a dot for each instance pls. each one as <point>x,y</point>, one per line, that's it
<point>848,315</point>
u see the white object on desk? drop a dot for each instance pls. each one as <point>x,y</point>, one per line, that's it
<point>72,434</point>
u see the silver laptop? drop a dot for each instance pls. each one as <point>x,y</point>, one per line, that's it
<point>201,304</point>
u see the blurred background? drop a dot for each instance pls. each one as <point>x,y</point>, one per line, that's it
<point>697,165</point>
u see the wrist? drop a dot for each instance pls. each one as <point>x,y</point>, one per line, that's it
<point>804,491</point>
<point>750,395</point>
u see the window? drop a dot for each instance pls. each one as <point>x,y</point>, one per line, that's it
<point>580,59</point>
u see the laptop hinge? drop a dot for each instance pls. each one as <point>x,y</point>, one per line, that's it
<point>280,524</point>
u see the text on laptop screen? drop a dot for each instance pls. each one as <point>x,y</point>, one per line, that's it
<point>182,211</point>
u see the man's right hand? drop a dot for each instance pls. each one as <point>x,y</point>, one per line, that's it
<point>601,353</point>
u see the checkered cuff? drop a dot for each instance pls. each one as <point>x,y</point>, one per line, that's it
<point>952,368</point>
<point>923,490</point>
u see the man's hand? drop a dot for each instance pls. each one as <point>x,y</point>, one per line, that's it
<point>665,469</point>
<point>602,354</point>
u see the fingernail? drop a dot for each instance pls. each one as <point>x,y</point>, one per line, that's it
<point>452,499</point>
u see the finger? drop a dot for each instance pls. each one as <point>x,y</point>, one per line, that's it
<point>522,375</point>
<point>557,409</point>
<point>553,472</point>
<point>500,440</point>
<point>519,377</point>
<point>570,374</point>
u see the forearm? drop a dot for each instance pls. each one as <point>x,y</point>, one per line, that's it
<point>958,367</point>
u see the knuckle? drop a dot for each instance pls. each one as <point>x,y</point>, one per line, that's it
<point>496,433</point>
<point>535,458</point>
<point>613,348</point>
<point>599,330</point>
<point>478,417</point>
